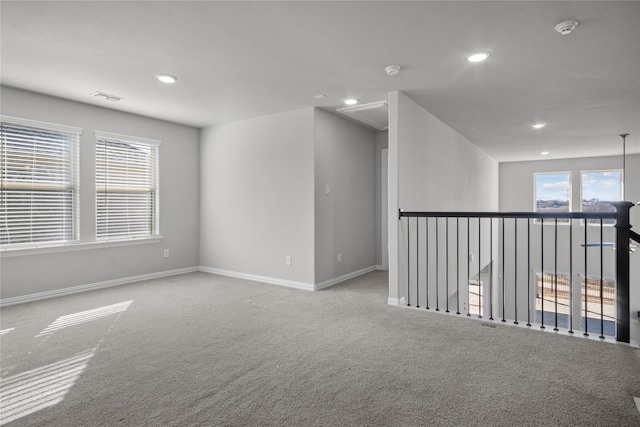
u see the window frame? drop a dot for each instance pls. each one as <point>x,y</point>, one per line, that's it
<point>154,169</point>
<point>71,170</point>
<point>612,222</point>
<point>535,196</point>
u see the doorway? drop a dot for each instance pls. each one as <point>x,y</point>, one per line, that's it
<point>384,212</point>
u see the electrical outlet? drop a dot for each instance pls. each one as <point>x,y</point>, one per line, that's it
<point>287,260</point>
<point>327,189</point>
<point>339,256</point>
<point>166,253</point>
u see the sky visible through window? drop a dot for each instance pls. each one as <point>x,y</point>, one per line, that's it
<point>604,186</point>
<point>553,186</point>
<point>553,192</point>
<point>599,190</point>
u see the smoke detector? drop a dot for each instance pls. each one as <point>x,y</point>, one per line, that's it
<point>392,70</point>
<point>107,96</point>
<point>566,27</point>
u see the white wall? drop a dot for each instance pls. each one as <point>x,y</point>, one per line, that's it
<point>345,160</point>
<point>257,197</point>
<point>431,168</point>
<point>517,194</point>
<point>179,203</point>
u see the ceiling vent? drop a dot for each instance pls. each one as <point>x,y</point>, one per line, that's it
<point>374,114</point>
<point>107,96</point>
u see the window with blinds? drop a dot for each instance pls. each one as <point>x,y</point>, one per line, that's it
<point>126,186</point>
<point>38,183</point>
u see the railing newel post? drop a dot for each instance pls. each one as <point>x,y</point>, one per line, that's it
<point>623,236</point>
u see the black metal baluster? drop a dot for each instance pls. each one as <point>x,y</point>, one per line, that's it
<point>555,271</point>
<point>479,269</point>
<point>408,262</point>
<point>503,283</point>
<point>447,263</point>
<point>457,265</point>
<point>490,268</point>
<point>528,271</point>
<point>542,271</point>
<point>427,266</point>
<point>515,274</point>
<point>571,276</point>
<point>417,262</point>
<point>601,285</point>
<point>437,268</point>
<point>586,310</point>
<point>468,268</point>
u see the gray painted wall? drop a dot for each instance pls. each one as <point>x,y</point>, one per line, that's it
<point>517,193</point>
<point>345,219</point>
<point>431,168</point>
<point>257,196</point>
<point>270,175</point>
<point>179,203</point>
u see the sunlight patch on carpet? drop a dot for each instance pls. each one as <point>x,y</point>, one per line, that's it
<point>6,331</point>
<point>637,399</point>
<point>83,317</point>
<point>40,388</point>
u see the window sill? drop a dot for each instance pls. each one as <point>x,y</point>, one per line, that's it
<point>71,247</point>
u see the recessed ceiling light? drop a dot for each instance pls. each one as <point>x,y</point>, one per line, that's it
<point>478,56</point>
<point>544,153</point>
<point>538,125</point>
<point>320,96</point>
<point>351,101</point>
<point>166,78</point>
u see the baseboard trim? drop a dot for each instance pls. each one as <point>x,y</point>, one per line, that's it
<point>381,268</point>
<point>256,278</point>
<point>93,286</point>
<point>344,277</point>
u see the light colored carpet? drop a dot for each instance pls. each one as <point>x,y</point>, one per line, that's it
<point>201,349</point>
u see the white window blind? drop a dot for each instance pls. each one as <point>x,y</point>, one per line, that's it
<point>126,186</point>
<point>38,182</point>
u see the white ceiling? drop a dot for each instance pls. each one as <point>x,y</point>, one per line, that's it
<point>237,60</point>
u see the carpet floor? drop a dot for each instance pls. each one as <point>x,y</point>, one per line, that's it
<point>200,349</point>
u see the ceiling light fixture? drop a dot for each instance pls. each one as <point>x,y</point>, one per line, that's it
<point>538,125</point>
<point>392,70</point>
<point>478,56</point>
<point>166,78</point>
<point>544,153</point>
<point>351,101</point>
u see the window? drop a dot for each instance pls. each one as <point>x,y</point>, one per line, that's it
<point>38,183</point>
<point>126,186</point>
<point>599,189</point>
<point>553,193</point>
